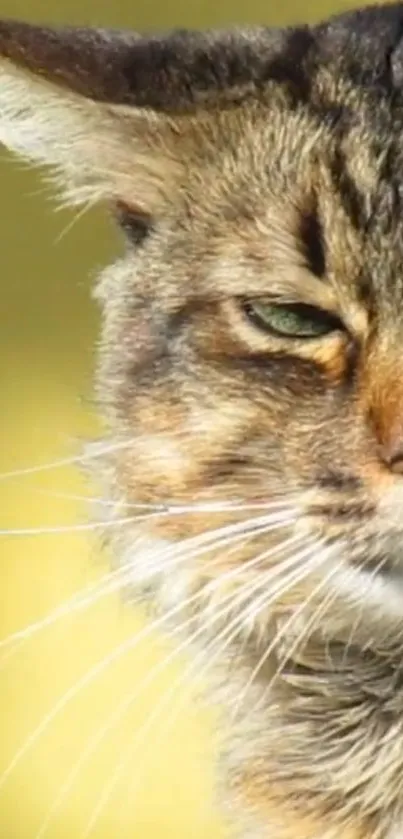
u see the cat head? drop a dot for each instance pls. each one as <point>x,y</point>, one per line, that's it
<point>253,333</point>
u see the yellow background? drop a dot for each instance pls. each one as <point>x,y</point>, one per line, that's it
<point>48,325</point>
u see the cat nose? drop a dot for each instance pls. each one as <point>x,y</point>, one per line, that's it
<point>392,448</point>
<point>385,414</point>
<point>393,457</point>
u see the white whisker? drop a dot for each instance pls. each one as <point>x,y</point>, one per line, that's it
<point>161,512</point>
<point>101,666</point>
<point>169,506</point>
<point>281,634</point>
<point>66,461</point>
<point>129,700</point>
<point>232,629</point>
<point>115,580</point>
<point>82,211</point>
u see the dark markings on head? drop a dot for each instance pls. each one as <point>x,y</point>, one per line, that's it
<point>354,202</point>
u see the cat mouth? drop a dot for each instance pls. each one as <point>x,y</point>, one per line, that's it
<point>342,510</point>
<point>372,541</point>
<point>384,565</point>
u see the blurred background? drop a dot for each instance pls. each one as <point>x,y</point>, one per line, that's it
<point>73,757</point>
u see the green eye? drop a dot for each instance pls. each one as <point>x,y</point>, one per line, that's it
<point>293,320</point>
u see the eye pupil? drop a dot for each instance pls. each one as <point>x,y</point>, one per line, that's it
<point>293,320</point>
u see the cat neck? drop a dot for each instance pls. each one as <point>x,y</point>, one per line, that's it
<point>303,723</point>
<point>323,726</point>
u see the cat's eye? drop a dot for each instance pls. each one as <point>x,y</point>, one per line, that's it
<point>291,320</point>
<point>136,225</point>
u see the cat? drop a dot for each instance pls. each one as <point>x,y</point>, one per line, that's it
<point>251,377</point>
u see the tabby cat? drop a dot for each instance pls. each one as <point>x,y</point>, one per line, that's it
<point>251,377</point>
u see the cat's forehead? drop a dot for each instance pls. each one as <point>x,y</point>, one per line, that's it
<point>274,175</point>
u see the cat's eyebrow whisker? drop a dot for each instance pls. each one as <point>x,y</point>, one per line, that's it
<point>129,700</point>
<point>232,629</point>
<point>88,677</point>
<point>77,216</point>
<point>92,451</point>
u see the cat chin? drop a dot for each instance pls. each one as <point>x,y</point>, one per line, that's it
<point>380,595</point>
<point>147,562</point>
<point>376,597</point>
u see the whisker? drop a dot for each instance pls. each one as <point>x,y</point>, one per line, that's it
<point>263,604</point>
<point>291,579</point>
<point>57,530</point>
<point>322,608</point>
<point>128,701</point>
<point>115,717</point>
<point>161,512</point>
<point>108,584</point>
<point>360,612</point>
<point>170,553</point>
<point>83,210</point>
<point>176,508</point>
<point>92,674</point>
<point>66,461</point>
<point>232,629</point>
<point>288,624</point>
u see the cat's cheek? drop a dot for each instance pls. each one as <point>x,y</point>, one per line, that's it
<point>155,466</point>
<point>332,357</point>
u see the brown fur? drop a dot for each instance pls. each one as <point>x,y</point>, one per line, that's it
<point>253,164</point>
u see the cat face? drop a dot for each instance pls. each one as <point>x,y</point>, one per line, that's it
<point>253,333</point>
<point>262,350</point>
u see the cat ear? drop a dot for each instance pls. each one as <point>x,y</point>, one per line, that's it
<point>170,73</point>
<point>114,113</point>
<point>110,111</point>
<point>58,90</point>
